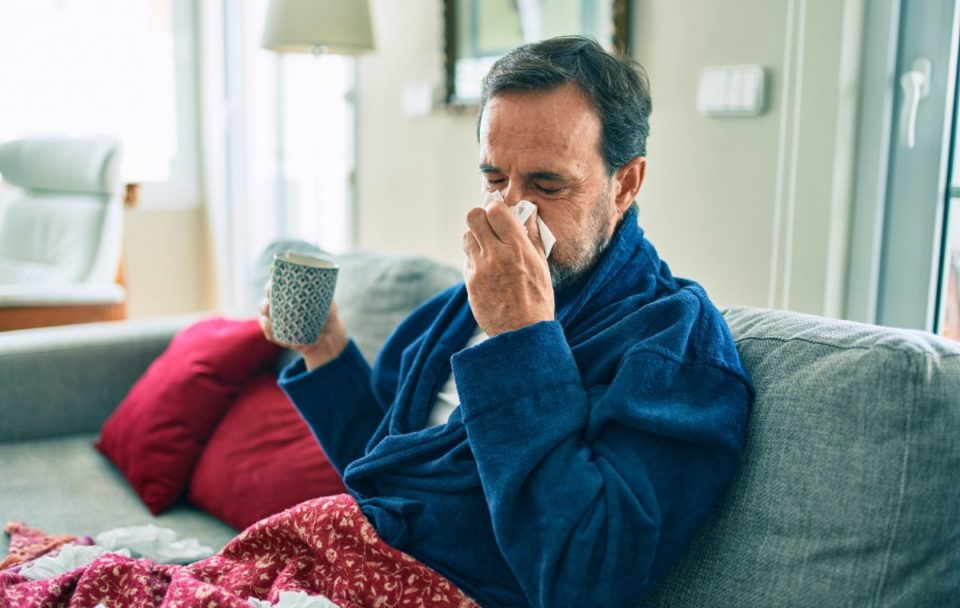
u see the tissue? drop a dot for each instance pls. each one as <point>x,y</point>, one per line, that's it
<point>155,543</point>
<point>294,599</point>
<point>523,210</point>
<point>70,557</point>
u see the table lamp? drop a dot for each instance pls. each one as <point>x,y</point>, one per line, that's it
<point>339,27</point>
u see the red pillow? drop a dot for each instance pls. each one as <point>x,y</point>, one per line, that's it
<point>157,433</point>
<point>261,459</point>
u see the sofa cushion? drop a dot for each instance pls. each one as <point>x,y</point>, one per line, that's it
<point>848,491</point>
<point>62,486</point>
<point>376,292</point>
<point>261,459</point>
<point>157,432</point>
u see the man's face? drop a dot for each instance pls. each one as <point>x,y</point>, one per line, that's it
<point>544,147</point>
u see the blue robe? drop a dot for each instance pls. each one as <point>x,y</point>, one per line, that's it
<point>585,453</point>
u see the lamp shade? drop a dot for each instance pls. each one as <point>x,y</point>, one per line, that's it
<point>318,26</point>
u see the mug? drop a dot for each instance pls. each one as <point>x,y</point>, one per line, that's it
<point>301,291</point>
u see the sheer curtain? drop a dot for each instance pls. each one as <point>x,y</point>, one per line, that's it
<point>278,143</point>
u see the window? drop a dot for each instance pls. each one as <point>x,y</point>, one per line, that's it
<point>905,242</point>
<point>101,67</point>
<point>287,147</point>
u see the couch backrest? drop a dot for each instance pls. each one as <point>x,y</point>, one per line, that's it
<point>848,493</point>
<point>375,291</point>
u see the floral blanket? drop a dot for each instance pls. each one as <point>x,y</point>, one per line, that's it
<point>322,547</point>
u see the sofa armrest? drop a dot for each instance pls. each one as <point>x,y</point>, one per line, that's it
<point>65,380</point>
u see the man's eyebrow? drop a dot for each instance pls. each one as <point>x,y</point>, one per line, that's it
<point>547,175</point>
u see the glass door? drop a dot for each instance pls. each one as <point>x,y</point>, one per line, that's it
<point>905,244</point>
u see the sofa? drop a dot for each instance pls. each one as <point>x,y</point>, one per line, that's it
<point>848,493</point>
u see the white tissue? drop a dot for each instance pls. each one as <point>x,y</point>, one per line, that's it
<point>294,599</point>
<point>154,543</point>
<point>523,210</point>
<point>70,557</point>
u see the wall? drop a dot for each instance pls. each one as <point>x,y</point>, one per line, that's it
<point>165,253</point>
<point>754,208</point>
<point>417,175</point>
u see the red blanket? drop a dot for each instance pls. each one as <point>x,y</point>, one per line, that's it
<point>322,547</point>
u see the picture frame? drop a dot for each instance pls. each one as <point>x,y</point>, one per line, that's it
<point>478,32</point>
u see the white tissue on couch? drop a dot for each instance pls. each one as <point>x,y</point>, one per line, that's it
<point>294,599</point>
<point>70,557</point>
<point>154,543</point>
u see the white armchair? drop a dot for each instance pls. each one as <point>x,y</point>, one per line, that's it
<point>61,232</point>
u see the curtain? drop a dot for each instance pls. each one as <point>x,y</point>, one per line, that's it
<point>278,147</point>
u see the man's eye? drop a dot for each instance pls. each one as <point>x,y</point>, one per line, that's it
<point>500,180</point>
<point>548,190</point>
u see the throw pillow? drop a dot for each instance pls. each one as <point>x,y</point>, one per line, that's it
<point>261,459</point>
<point>157,432</point>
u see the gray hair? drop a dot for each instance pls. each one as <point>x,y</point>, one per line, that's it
<point>615,84</point>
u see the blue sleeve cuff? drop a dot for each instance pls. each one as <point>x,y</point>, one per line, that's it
<point>349,363</point>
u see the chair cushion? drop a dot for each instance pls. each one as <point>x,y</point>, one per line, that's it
<point>24,272</point>
<point>848,491</point>
<point>157,432</point>
<point>261,459</point>
<point>59,238</point>
<point>59,164</point>
<point>63,294</point>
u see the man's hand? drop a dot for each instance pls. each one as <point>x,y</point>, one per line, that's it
<point>330,343</point>
<point>506,272</point>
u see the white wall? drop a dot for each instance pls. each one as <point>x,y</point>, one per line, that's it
<point>166,261</point>
<point>753,208</point>
<point>417,175</point>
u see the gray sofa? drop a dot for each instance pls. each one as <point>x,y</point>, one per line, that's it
<point>848,494</point>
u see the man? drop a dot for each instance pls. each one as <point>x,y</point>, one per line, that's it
<point>553,431</point>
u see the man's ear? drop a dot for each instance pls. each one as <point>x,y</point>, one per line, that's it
<point>629,178</point>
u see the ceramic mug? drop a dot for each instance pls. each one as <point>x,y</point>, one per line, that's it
<point>301,291</point>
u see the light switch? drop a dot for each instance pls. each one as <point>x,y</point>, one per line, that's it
<point>733,90</point>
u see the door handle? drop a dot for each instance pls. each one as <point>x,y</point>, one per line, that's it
<point>916,87</point>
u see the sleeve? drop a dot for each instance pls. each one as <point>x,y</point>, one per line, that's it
<point>594,494</point>
<point>345,401</point>
<point>337,403</point>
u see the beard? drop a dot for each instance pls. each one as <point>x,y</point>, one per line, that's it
<point>583,253</point>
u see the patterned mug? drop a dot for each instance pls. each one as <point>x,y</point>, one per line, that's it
<point>301,291</point>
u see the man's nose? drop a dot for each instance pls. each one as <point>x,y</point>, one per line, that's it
<point>512,195</point>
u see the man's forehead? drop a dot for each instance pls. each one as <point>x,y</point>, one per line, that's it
<point>552,124</point>
<point>554,106</point>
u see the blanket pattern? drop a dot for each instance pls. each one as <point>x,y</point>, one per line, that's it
<point>29,543</point>
<point>323,547</point>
